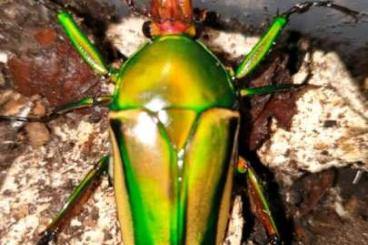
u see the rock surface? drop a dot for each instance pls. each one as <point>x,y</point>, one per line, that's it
<point>41,164</point>
<point>330,128</point>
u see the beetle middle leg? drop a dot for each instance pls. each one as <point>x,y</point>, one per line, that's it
<point>274,88</point>
<point>83,103</point>
<point>78,196</point>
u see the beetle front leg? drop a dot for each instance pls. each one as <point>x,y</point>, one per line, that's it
<point>264,45</point>
<point>78,196</point>
<point>84,46</point>
<point>261,206</point>
<point>83,103</point>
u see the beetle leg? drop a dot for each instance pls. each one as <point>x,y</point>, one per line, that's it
<point>259,202</point>
<point>274,88</point>
<point>264,45</point>
<point>83,103</point>
<point>80,194</point>
<point>84,46</point>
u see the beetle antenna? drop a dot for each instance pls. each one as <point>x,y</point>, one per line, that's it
<point>305,6</point>
<point>138,11</point>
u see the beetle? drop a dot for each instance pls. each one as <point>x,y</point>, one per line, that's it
<point>174,125</point>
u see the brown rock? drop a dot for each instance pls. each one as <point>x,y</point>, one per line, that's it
<point>46,37</point>
<point>37,133</point>
<point>39,109</point>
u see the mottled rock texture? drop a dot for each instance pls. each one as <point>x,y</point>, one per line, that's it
<point>40,164</point>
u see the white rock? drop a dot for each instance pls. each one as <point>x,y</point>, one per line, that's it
<point>127,37</point>
<point>330,128</point>
<point>3,57</point>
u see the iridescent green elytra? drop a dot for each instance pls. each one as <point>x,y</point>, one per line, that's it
<point>166,121</point>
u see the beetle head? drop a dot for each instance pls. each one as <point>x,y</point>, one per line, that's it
<point>169,17</point>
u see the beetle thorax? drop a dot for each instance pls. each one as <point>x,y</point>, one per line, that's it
<point>171,17</point>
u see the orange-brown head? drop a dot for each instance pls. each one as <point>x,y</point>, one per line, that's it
<point>169,17</point>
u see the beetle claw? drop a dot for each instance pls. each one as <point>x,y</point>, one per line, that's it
<point>46,237</point>
<point>274,240</point>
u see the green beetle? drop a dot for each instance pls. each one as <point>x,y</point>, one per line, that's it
<point>174,125</point>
